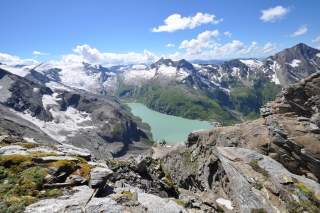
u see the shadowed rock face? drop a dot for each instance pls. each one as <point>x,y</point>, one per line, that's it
<point>99,123</point>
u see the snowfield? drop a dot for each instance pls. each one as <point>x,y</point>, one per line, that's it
<point>22,72</point>
<point>252,63</point>
<point>65,123</point>
<point>295,63</point>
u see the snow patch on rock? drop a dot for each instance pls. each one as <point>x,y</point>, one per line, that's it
<point>20,71</point>
<point>225,202</point>
<point>5,93</point>
<point>48,100</point>
<point>138,74</point>
<point>295,63</point>
<point>167,71</point>
<point>235,71</point>
<point>252,63</point>
<point>65,123</point>
<point>57,86</point>
<point>275,79</point>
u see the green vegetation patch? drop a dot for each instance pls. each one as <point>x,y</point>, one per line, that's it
<point>255,166</point>
<point>178,100</point>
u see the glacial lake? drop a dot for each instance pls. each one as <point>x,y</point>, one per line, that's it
<point>173,129</point>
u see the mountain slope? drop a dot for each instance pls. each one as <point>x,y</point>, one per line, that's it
<point>99,123</point>
<point>294,64</point>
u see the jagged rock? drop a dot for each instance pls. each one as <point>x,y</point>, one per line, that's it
<point>74,151</point>
<point>98,176</point>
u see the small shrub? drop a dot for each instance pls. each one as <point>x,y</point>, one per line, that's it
<point>13,160</point>
<point>53,193</point>
<point>64,166</point>
<point>84,169</point>
<point>255,166</point>
<point>3,172</point>
<point>180,202</point>
<point>32,178</point>
<point>258,211</point>
<point>15,163</point>
<point>28,145</point>
<point>39,154</point>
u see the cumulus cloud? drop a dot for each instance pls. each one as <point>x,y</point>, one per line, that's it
<point>269,48</point>
<point>204,40</point>
<point>170,45</point>
<point>227,34</point>
<point>300,31</point>
<point>88,54</point>
<point>38,53</point>
<point>317,41</point>
<point>15,60</point>
<point>274,14</point>
<point>207,46</point>
<point>251,48</point>
<point>176,22</point>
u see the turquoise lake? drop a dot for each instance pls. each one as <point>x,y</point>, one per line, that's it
<point>173,129</point>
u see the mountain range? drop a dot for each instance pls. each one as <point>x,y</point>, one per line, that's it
<point>227,92</point>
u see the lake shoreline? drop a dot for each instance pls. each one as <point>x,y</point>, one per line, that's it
<point>172,129</point>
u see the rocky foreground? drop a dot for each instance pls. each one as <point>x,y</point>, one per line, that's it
<point>268,165</point>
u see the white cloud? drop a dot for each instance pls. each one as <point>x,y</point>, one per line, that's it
<point>170,45</point>
<point>176,22</point>
<point>230,48</point>
<point>15,60</point>
<point>204,40</point>
<point>300,31</point>
<point>38,53</point>
<point>274,14</point>
<point>86,53</point>
<point>269,48</point>
<point>227,34</point>
<point>207,46</point>
<point>317,41</point>
<point>250,49</point>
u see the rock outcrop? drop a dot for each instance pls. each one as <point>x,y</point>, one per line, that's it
<point>288,130</point>
<point>62,178</point>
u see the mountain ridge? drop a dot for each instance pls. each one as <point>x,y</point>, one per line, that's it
<point>237,85</point>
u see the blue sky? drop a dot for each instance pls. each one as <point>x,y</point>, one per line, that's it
<point>51,29</point>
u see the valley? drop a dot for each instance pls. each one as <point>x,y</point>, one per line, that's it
<point>159,106</point>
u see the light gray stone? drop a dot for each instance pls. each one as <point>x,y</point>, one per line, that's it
<point>98,176</point>
<point>74,203</point>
